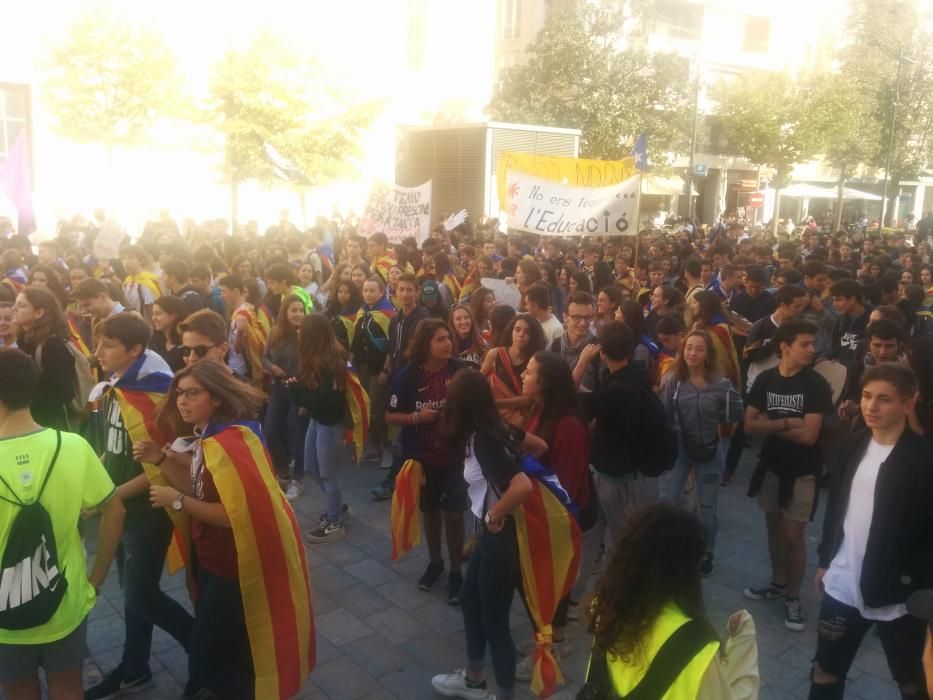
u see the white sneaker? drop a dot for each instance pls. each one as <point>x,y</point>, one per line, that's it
<point>454,685</point>
<point>526,666</point>
<point>294,490</point>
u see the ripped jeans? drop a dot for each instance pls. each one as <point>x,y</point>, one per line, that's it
<point>708,479</point>
<point>839,635</point>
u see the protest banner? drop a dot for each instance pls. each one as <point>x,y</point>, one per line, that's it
<point>107,242</point>
<point>581,172</point>
<point>550,208</point>
<point>399,212</point>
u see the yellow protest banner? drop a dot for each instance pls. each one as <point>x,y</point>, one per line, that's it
<point>580,172</point>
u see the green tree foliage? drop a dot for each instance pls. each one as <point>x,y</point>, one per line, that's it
<point>590,69</point>
<point>270,93</point>
<point>109,80</point>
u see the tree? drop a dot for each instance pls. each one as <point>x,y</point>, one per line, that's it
<point>762,115</point>
<point>845,132</point>
<point>590,69</point>
<point>109,80</point>
<point>271,94</point>
<point>890,58</point>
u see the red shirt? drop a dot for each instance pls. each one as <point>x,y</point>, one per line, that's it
<point>215,546</point>
<point>568,456</point>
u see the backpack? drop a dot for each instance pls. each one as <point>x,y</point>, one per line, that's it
<point>31,583</point>
<point>656,449</point>
<point>84,377</point>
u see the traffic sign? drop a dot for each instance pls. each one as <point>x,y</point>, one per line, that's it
<point>700,170</point>
<point>756,199</point>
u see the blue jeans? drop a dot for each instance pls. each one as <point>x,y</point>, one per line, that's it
<point>322,460</point>
<point>708,480</point>
<point>485,600</point>
<point>284,429</point>
<point>140,556</point>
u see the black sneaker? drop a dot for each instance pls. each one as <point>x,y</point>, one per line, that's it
<point>431,575</point>
<point>706,565</point>
<point>383,493</point>
<point>115,684</point>
<point>765,591</point>
<point>327,532</point>
<point>345,509</point>
<point>793,615</point>
<point>454,584</point>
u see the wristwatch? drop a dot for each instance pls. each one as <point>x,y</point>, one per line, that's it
<point>177,503</point>
<point>487,519</point>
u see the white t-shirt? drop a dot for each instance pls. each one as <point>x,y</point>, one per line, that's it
<point>553,329</point>
<point>477,487</point>
<point>842,580</point>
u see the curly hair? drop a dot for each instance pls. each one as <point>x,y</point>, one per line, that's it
<point>654,563</point>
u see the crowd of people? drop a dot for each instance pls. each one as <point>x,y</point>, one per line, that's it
<point>186,389</point>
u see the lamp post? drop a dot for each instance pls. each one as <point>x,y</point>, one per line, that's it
<point>693,143</point>
<point>901,59</point>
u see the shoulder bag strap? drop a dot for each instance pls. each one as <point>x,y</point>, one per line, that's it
<point>672,658</point>
<point>506,360</point>
<point>598,685</point>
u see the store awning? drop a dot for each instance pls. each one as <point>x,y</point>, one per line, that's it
<point>805,191</point>
<point>669,186</point>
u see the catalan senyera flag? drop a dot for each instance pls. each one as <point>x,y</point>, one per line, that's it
<point>384,263</point>
<point>453,284</point>
<point>149,280</point>
<point>255,340</point>
<point>549,556</point>
<point>348,319</point>
<point>74,333</point>
<point>726,354</point>
<point>405,499</point>
<point>275,585</point>
<point>470,285</point>
<point>358,402</point>
<point>138,392</point>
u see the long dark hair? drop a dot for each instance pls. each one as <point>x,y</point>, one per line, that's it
<point>655,562</point>
<point>475,338</point>
<point>177,308</point>
<point>319,350</point>
<point>477,304</point>
<point>920,354</point>
<point>51,323</point>
<point>710,306</point>
<point>634,318</point>
<point>537,341</point>
<point>335,308</point>
<point>500,319</point>
<point>283,331</point>
<point>53,282</point>
<point>470,408</point>
<point>680,369</point>
<point>419,347</point>
<point>558,393</point>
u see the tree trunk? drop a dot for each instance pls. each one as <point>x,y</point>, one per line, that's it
<point>840,187</point>
<point>890,212</point>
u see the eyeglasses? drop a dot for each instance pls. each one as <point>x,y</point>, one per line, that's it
<point>199,350</point>
<point>189,394</point>
<point>580,319</point>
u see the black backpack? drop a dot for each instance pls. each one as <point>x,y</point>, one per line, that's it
<point>656,449</point>
<point>31,583</point>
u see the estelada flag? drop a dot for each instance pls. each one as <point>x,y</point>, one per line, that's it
<point>273,570</point>
<point>139,392</point>
<point>384,263</point>
<point>405,500</point>
<point>358,403</point>
<point>549,556</point>
<point>255,341</point>
<point>453,284</point>
<point>382,312</point>
<point>348,319</point>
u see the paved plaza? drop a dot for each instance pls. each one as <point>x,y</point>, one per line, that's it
<point>379,637</point>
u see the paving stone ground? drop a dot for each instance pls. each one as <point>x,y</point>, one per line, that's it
<point>380,637</point>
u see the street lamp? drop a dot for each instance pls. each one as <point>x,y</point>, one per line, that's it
<point>901,60</point>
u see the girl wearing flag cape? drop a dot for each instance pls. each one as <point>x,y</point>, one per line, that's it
<point>253,633</point>
<point>497,487</point>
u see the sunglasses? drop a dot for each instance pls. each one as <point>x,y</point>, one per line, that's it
<point>199,350</point>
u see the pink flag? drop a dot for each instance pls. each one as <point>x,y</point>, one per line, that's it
<point>16,184</point>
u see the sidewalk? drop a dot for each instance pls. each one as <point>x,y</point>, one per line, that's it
<point>380,637</point>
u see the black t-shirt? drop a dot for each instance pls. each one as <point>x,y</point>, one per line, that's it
<point>498,458</point>
<point>790,397</point>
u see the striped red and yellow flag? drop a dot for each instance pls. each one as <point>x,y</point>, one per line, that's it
<point>453,284</point>
<point>382,312</point>
<point>358,402</point>
<point>138,393</point>
<point>274,581</point>
<point>384,263</point>
<point>470,285</point>
<point>348,319</point>
<point>405,499</point>
<point>255,341</point>
<point>549,555</point>
<point>74,334</point>
<point>726,355</point>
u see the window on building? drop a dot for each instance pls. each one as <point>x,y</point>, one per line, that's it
<point>14,115</point>
<point>509,19</point>
<point>679,19</point>
<point>757,35</point>
<point>417,34</point>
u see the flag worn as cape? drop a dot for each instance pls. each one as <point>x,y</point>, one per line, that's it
<point>138,392</point>
<point>348,319</point>
<point>264,318</point>
<point>453,284</point>
<point>144,278</point>
<point>255,341</point>
<point>382,313</point>
<point>549,556</point>
<point>384,263</point>
<point>727,358</point>
<point>358,402</point>
<point>275,585</point>
<point>405,499</point>
<point>470,285</point>
<point>74,334</point>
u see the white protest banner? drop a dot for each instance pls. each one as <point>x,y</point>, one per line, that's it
<point>555,209</point>
<point>506,292</point>
<point>398,212</point>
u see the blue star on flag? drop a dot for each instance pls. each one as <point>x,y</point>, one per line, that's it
<point>640,151</point>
